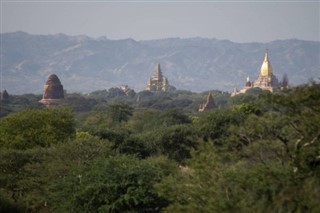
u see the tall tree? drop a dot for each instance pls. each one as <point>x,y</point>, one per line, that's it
<point>36,127</point>
<point>120,112</point>
<point>117,184</point>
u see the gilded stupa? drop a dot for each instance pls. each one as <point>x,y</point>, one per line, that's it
<point>265,81</point>
<point>158,83</point>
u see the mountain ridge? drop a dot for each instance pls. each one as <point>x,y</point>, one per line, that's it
<point>85,64</point>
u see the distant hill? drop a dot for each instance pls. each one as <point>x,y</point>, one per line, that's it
<point>84,64</point>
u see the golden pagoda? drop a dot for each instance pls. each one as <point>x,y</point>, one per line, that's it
<point>158,83</point>
<point>266,79</point>
<point>266,68</point>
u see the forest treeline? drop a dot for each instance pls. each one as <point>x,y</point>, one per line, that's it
<point>109,152</point>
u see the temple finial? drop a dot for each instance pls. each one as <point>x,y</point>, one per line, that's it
<point>266,57</point>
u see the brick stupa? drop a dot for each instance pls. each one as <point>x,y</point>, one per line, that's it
<point>52,92</point>
<point>210,104</point>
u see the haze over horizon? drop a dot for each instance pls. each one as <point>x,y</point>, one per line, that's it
<point>146,20</point>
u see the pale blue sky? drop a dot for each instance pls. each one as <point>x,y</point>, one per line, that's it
<point>244,21</point>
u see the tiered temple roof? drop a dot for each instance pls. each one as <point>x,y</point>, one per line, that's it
<point>158,83</point>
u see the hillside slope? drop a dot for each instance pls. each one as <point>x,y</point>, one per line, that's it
<point>85,64</point>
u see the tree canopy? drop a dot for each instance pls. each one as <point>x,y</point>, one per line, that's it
<point>257,152</point>
<point>36,127</point>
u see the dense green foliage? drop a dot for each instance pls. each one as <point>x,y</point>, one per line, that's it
<point>258,152</point>
<point>36,127</point>
<point>120,184</point>
<point>268,162</point>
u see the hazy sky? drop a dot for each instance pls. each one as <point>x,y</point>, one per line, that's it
<point>244,21</point>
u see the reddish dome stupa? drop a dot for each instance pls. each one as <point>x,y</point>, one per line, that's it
<point>52,91</point>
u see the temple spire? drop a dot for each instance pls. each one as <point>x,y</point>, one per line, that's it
<point>210,104</point>
<point>266,57</point>
<point>266,68</point>
<point>158,83</point>
<point>157,73</point>
<point>210,98</point>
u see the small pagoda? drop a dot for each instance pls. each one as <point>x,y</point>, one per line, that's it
<point>210,104</point>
